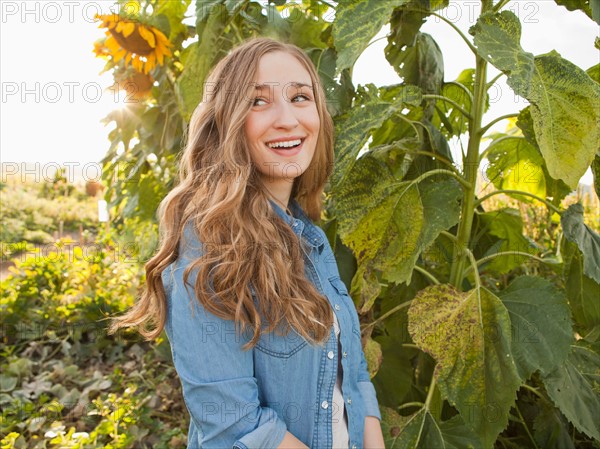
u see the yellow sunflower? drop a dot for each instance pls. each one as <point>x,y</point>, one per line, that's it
<point>142,45</point>
<point>136,84</point>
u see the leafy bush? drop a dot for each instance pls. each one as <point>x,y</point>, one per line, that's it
<point>64,382</point>
<point>27,215</point>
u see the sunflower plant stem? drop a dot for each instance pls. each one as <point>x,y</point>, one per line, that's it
<point>501,4</point>
<point>440,171</point>
<point>427,274</point>
<point>470,164</point>
<point>498,119</point>
<point>524,423</point>
<point>449,22</point>
<point>411,404</point>
<point>447,100</point>
<point>433,403</point>
<point>387,314</point>
<point>519,192</point>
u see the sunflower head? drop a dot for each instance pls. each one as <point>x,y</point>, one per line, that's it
<point>141,45</point>
<point>136,84</point>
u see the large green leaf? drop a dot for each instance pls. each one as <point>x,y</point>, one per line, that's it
<point>354,127</point>
<point>498,40</point>
<point>555,188</point>
<point>507,225</point>
<point>433,141</point>
<point>382,217</point>
<point>174,11</point>
<point>582,291</point>
<point>457,435</point>
<point>594,72</point>
<point>550,428</point>
<point>397,155</point>
<point>401,124</point>
<point>388,223</point>
<point>540,341</point>
<point>391,425</point>
<point>338,94</point>
<point>575,389</point>
<point>420,64</point>
<point>596,172</point>
<point>223,8</point>
<point>469,336</point>
<point>352,31</point>
<point>588,241</point>
<point>566,117</point>
<point>200,57</point>
<point>394,378</point>
<point>449,118</point>
<point>421,431</point>
<point>590,7</point>
<point>515,164</point>
<point>563,97</point>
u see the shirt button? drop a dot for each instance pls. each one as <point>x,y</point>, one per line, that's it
<point>336,307</point>
<point>295,224</point>
<point>354,446</point>
<point>324,404</point>
<point>330,354</point>
<point>349,401</point>
<point>345,354</point>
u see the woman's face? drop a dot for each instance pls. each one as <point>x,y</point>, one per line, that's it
<point>283,124</point>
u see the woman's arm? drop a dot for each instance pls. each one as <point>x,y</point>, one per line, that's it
<point>373,434</point>
<point>217,375</point>
<point>291,442</point>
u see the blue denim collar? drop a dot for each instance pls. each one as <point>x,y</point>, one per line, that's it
<point>312,235</point>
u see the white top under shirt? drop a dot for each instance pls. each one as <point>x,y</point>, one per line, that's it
<point>340,422</point>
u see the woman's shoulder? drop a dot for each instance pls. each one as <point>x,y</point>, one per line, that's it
<point>189,242</point>
<point>189,248</point>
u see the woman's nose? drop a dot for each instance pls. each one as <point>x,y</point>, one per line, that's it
<point>286,115</point>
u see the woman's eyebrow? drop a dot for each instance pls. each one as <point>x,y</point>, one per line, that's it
<point>293,84</point>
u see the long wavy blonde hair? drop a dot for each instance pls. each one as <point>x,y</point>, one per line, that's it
<point>222,194</point>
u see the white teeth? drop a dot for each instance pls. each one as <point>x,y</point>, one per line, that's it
<point>291,143</point>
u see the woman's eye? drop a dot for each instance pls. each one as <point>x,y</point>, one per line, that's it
<point>305,98</point>
<point>256,100</point>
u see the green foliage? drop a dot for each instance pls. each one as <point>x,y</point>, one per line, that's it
<point>64,382</point>
<point>482,324</point>
<point>573,387</point>
<point>586,239</point>
<point>351,33</point>
<point>468,334</point>
<point>30,212</point>
<point>557,90</point>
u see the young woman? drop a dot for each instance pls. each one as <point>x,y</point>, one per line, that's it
<point>264,335</point>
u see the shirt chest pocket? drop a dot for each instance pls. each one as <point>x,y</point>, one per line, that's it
<point>282,346</point>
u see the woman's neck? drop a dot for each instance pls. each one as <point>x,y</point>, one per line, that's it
<point>283,205</point>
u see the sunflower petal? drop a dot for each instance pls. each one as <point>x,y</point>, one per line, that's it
<point>151,62</point>
<point>147,35</point>
<point>118,55</point>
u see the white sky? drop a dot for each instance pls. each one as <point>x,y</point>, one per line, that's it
<point>52,99</point>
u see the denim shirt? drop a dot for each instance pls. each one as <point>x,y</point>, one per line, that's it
<point>249,399</point>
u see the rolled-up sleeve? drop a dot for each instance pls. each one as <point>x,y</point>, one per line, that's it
<point>216,374</point>
<point>367,389</point>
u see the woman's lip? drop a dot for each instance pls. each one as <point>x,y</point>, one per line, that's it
<point>286,139</point>
<point>287,153</point>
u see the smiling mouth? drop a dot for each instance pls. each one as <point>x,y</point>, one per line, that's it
<point>288,145</point>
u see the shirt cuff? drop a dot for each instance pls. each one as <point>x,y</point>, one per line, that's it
<point>367,390</point>
<point>268,434</point>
